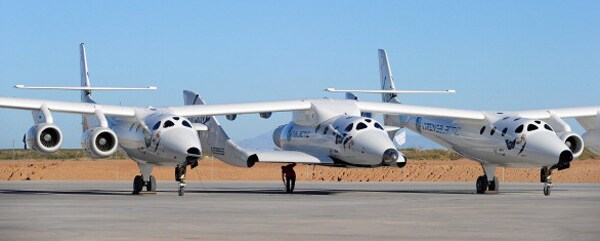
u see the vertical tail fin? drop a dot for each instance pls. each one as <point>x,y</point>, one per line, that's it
<point>85,78</point>
<point>215,140</point>
<point>387,80</point>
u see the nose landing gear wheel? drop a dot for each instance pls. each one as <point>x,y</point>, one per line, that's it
<point>547,189</point>
<point>138,184</point>
<point>180,177</point>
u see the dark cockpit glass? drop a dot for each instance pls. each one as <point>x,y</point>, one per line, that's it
<point>156,126</point>
<point>186,123</point>
<point>548,127</point>
<point>349,127</point>
<point>378,126</point>
<point>519,129</point>
<point>532,127</point>
<point>361,126</point>
<point>168,124</point>
<point>368,120</point>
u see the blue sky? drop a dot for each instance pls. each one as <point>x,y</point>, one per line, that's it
<point>505,55</point>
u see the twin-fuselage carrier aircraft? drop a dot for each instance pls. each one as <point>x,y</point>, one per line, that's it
<point>533,138</point>
<point>325,131</point>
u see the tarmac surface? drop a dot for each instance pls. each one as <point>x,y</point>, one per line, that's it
<point>100,210</point>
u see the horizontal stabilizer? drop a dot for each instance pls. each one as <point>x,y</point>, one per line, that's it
<point>289,157</point>
<point>394,91</point>
<point>82,88</point>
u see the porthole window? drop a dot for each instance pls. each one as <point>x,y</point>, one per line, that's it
<point>517,119</point>
<point>156,126</point>
<point>168,124</point>
<point>349,127</point>
<point>504,131</point>
<point>361,126</point>
<point>186,123</point>
<point>532,127</point>
<point>548,127</point>
<point>378,126</point>
<point>482,130</point>
<point>505,118</point>
<point>519,129</point>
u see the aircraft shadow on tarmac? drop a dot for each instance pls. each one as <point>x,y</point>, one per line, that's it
<point>65,192</point>
<point>250,192</point>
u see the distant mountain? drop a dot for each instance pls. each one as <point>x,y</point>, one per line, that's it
<point>264,142</point>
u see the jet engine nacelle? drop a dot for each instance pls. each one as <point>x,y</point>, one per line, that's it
<point>592,141</point>
<point>44,138</point>
<point>99,142</point>
<point>574,142</point>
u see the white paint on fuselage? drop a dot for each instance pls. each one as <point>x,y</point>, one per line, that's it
<point>164,145</point>
<point>498,143</point>
<point>339,138</point>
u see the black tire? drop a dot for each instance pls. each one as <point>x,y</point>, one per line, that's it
<point>481,184</point>
<point>138,184</point>
<point>181,191</point>
<point>151,185</point>
<point>494,185</point>
<point>547,190</point>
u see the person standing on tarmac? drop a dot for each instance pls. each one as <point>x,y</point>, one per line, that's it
<point>288,175</point>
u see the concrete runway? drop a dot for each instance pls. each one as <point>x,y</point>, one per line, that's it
<point>53,210</point>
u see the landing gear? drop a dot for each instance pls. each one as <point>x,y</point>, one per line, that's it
<point>151,184</point>
<point>484,183</point>
<point>546,178</point>
<point>180,177</point>
<point>139,184</point>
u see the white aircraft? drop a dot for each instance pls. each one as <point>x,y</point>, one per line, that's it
<point>534,138</point>
<point>324,131</point>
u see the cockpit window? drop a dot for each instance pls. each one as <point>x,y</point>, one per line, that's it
<point>175,118</point>
<point>168,124</point>
<point>186,123</point>
<point>519,129</point>
<point>482,130</point>
<point>156,126</point>
<point>349,127</point>
<point>325,130</point>
<point>538,122</point>
<point>492,131</point>
<point>504,131</point>
<point>368,120</point>
<point>361,126</point>
<point>378,126</point>
<point>548,127</point>
<point>532,127</point>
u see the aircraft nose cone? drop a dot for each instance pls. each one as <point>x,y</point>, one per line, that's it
<point>194,151</point>
<point>565,157</point>
<point>390,156</point>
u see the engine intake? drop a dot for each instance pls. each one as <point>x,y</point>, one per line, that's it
<point>574,142</point>
<point>99,142</point>
<point>44,138</point>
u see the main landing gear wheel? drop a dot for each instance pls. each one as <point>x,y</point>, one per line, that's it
<point>180,177</point>
<point>138,184</point>
<point>494,185</point>
<point>151,185</point>
<point>481,184</point>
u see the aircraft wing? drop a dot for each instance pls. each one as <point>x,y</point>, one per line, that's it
<point>574,112</point>
<point>402,109</point>
<point>588,117</point>
<point>290,157</point>
<point>65,106</point>
<point>240,108</point>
